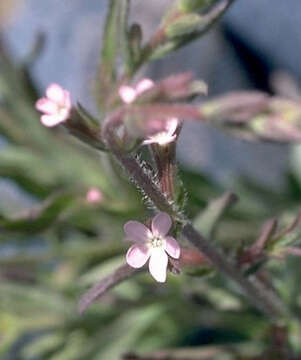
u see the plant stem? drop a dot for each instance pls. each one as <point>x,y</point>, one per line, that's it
<point>253,290</point>
<point>142,181</point>
<point>159,37</point>
<point>124,272</point>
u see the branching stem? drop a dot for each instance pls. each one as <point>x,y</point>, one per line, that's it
<point>253,290</point>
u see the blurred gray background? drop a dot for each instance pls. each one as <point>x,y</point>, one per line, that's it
<point>254,39</point>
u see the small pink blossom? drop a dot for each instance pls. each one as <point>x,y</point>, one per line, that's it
<point>166,136</point>
<point>56,106</point>
<point>94,195</point>
<point>166,130</point>
<point>129,94</point>
<point>152,245</point>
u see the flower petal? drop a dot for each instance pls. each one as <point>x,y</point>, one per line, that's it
<point>172,247</point>
<point>64,113</point>
<point>51,120</point>
<point>164,139</point>
<point>148,141</point>
<point>158,264</point>
<point>137,231</point>
<point>144,85</point>
<point>67,100</point>
<point>171,125</point>
<point>56,93</point>
<point>127,94</point>
<point>161,224</point>
<point>46,106</point>
<point>137,256</point>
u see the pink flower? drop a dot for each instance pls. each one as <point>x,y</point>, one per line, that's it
<point>152,244</point>
<point>129,94</point>
<point>168,127</point>
<point>166,136</point>
<point>56,106</point>
<point>94,195</point>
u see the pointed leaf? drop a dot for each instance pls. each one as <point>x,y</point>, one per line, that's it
<point>207,221</point>
<point>40,217</point>
<point>112,43</point>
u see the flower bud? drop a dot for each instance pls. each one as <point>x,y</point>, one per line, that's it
<point>194,5</point>
<point>183,25</point>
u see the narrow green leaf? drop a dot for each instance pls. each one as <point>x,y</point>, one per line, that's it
<point>40,217</point>
<point>200,271</point>
<point>85,114</point>
<point>207,221</point>
<point>254,267</point>
<point>138,322</point>
<point>29,169</point>
<point>127,54</point>
<point>114,41</point>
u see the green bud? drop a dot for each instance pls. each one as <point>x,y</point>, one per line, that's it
<point>199,87</point>
<point>184,25</point>
<point>194,5</point>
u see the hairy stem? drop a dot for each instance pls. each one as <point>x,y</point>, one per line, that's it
<point>254,291</point>
<point>142,181</point>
